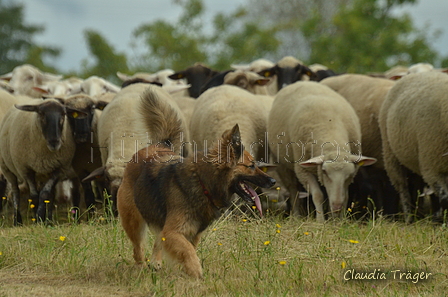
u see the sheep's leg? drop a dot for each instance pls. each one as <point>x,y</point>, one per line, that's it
<point>310,180</point>
<point>76,197</point>
<point>12,179</point>
<point>296,206</point>
<point>398,177</point>
<point>46,198</point>
<point>89,197</point>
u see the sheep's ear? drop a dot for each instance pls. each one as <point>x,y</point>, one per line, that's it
<point>32,108</point>
<point>43,90</point>
<point>362,160</point>
<point>75,113</point>
<point>6,77</point>
<point>100,105</point>
<point>262,81</point>
<point>177,75</point>
<point>122,76</point>
<point>95,174</point>
<point>313,162</point>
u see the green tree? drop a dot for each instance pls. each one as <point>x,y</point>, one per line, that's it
<point>364,36</point>
<point>16,40</point>
<point>233,38</point>
<point>106,60</point>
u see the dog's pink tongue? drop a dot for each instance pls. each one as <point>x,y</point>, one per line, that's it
<point>257,200</point>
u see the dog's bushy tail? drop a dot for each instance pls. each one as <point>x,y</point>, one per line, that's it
<point>162,119</point>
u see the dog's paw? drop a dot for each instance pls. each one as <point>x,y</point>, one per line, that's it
<point>155,265</point>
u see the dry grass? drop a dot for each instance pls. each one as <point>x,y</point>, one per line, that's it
<point>241,256</point>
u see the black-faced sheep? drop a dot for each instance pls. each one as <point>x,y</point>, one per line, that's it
<point>196,75</point>
<point>314,134</point>
<point>37,146</point>
<point>288,70</point>
<point>87,156</point>
<point>414,125</point>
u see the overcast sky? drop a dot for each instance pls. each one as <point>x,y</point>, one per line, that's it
<point>65,20</point>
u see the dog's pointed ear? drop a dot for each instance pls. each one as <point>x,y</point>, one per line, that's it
<point>232,145</point>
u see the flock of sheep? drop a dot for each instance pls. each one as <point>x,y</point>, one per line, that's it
<point>337,140</point>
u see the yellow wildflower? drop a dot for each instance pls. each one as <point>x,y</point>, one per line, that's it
<point>219,243</point>
<point>62,238</point>
<point>1,253</point>
<point>278,225</point>
<point>306,233</point>
<point>282,262</point>
<point>32,206</point>
<point>343,265</point>
<point>163,238</point>
<point>244,220</point>
<point>4,198</point>
<point>267,242</point>
<point>29,200</point>
<point>278,188</point>
<point>47,201</point>
<point>278,231</point>
<point>33,219</point>
<point>353,241</point>
<point>254,207</point>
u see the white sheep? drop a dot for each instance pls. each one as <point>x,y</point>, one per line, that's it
<point>222,107</point>
<point>414,125</point>
<point>366,95</point>
<point>95,86</point>
<point>23,78</point>
<point>255,66</point>
<point>314,134</point>
<point>38,131</point>
<point>122,132</point>
<point>248,80</point>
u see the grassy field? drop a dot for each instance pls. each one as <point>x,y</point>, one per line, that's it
<point>241,256</point>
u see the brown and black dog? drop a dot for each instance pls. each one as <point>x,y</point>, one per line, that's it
<point>177,197</point>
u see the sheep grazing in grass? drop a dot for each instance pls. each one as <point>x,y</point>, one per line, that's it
<point>37,147</point>
<point>366,94</point>
<point>23,78</point>
<point>196,75</point>
<point>414,125</point>
<point>314,135</point>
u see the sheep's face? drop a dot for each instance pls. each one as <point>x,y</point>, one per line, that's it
<point>335,174</point>
<point>80,112</point>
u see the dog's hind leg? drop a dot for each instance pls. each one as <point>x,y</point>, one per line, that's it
<point>183,251</point>
<point>132,222</point>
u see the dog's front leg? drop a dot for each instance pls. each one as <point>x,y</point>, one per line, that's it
<point>183,251</point>
<point>156,257</point>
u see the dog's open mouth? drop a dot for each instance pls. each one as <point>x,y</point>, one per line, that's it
<point>249,194</point>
